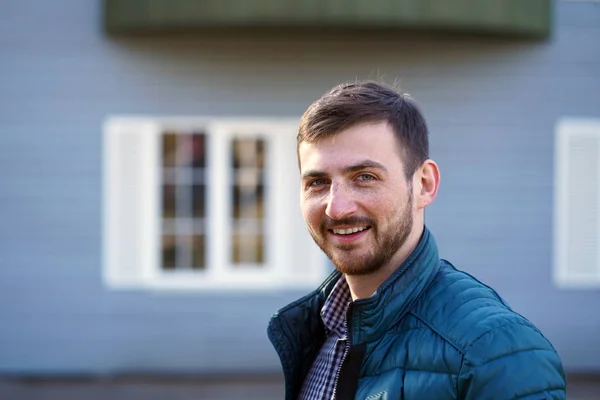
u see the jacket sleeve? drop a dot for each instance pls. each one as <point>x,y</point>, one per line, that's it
<point>513,361</point>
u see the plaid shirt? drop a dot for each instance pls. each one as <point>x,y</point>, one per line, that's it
<point>322,377</point>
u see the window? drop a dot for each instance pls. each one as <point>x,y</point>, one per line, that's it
<point>194,203</point>
<point>577,204</point>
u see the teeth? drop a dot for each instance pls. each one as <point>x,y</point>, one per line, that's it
<point>349,230</point>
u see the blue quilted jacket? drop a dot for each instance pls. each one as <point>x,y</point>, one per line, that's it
<point>430,332</point>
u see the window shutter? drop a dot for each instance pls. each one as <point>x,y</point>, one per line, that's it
<point>130,199</point>
<point>577,203</point>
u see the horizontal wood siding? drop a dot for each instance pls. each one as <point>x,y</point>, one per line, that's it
<point>492,105</point>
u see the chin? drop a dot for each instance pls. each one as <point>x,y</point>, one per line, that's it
<point>353,268</point>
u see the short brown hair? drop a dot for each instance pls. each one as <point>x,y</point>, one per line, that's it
<point>350,104</point>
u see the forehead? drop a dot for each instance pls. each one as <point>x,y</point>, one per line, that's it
<point>369,141</point>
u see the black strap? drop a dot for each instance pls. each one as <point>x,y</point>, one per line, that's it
<point>349,373</point>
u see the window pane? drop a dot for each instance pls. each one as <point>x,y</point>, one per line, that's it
<point>198,199</point>
<point>248,152</point>
<point>184,201</point>
<point>199,256</point>
<point>248,201</point>
<point>248,249</point>
<point>169,252</point>
<point>198,150</point>
<point>185,245</point>
<point>192,150</point>
<point>168,203</point>
<point>169,149</point>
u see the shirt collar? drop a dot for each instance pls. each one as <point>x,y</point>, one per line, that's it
<point>333,312</point>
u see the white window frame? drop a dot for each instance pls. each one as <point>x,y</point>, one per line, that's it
<point>566,203</point>
<point>132,208</point>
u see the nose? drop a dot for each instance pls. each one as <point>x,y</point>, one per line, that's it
<point>340,203</point>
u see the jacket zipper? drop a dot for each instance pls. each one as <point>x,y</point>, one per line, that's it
<point>346,350</point>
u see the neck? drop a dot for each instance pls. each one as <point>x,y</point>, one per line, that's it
<point>363,286</point>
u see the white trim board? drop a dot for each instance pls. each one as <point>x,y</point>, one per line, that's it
<point>577,203</point>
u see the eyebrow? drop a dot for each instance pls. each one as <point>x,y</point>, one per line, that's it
<point>366,164</point>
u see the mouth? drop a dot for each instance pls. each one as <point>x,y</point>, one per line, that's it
<point>349,234</point>
<point>349,231</point>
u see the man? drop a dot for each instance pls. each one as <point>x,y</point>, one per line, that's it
<point>394,321</point>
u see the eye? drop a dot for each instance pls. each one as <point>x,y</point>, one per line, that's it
<point>365,177</point>
<point>317,182</point>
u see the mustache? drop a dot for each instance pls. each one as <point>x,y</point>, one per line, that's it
<point>330,223</point>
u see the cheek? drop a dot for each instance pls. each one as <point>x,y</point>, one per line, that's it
<point>386,211</point>
<point>309,211</point>
<point>383,205</point>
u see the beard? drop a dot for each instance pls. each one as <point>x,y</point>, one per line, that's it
<point>387,242</point>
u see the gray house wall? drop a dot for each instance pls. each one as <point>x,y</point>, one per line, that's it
<point>491,103</point>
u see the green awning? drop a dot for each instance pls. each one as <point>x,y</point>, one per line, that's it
<point>526,18</point>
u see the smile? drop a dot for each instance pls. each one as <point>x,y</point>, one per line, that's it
<point>349,231</point>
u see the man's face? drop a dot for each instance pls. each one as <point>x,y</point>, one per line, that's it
<point>356,201</point>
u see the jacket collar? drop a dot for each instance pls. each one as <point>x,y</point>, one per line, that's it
<point>371,317</point>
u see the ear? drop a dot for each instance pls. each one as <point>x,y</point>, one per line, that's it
<point>426,182</point>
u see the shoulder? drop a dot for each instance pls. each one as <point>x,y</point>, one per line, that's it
<point>513,361</point>
<point>502,352</point>
<point>463,310</point>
